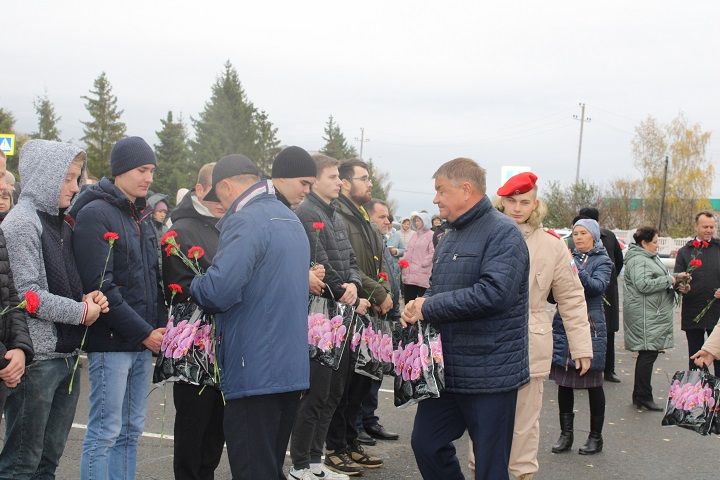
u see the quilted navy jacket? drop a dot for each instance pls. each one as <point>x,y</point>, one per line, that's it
<point>478,298</point>
<point>594,269</point>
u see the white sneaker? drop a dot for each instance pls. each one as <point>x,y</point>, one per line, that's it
<point>304,474</point>
<point>327,474</point>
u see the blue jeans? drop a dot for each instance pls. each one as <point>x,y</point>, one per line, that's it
<point>38,416</point>
<point>119,388</point>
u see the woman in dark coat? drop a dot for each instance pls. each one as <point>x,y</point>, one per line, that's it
<point>594,269</point>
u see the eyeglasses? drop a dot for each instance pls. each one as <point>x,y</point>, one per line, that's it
<point>364,179</point>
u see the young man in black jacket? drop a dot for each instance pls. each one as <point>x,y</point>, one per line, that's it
<point>119,345</point>
<point>198,427</point>
<point>331,248</point>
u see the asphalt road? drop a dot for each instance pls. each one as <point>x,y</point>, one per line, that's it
<point>636,446</point>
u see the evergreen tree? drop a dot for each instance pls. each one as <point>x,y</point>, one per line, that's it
<point>7,121</point>
<point>47,120</point>
<point>7,125</point>
<point>336,144</point>
<point>104,129</point>
<point>230,123</point>
<point>175,166</point>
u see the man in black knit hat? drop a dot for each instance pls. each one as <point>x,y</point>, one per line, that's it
<point>293,174</point>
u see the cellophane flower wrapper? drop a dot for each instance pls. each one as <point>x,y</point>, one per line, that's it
<point>693,401</point>
<point>329,327</point>
<point>374,352</point>
<point>187,352</point>
<point>417,366</point>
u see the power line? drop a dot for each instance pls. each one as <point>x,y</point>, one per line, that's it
<point>582,119</point>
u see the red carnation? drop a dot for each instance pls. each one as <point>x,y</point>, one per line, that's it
<point>32,302</point>
<point>175,288</point>
<point>696,263</point>
<point>171,249</point>
<point>705,244</point>
<point>318,225</point>
<point>196,252</point>
<point>383,277</point>
<point>168,238</point>
<point>403,264</point>
<point>696,244</point>
<point>111,237</point>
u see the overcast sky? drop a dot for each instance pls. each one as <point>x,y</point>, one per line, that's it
<point>429,81</point>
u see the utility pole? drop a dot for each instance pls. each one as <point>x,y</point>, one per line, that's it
<point>362,141</point>
<point>662,198</point>
<point>582,119</point>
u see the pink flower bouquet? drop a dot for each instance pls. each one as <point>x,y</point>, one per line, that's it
<point>693,401</point>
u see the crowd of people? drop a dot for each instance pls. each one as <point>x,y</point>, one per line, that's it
<point>482,272</point>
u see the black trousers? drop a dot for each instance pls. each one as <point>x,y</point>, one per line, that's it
<point>411,292</point>
<point>489,418</point>
<point>695,340</point>
<point>316,410</point>
<point>642,389</point>
<point>343,430</point>
<point>610,353</point>
<point>257,430</point>
<point>367,417</point>
<point>199,437</point>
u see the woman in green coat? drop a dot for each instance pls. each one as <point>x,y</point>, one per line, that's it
<point>647,310</point>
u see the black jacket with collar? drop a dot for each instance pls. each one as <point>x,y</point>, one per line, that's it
<point>330,245</point>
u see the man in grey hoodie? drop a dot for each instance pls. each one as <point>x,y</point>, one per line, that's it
<point>40,411</point>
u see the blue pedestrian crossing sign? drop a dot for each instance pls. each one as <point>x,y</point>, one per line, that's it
<point>7,143</point>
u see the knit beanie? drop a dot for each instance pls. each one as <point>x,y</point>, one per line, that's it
<point>293,162</point>
<point>129,153</point>
<point>591,226</point>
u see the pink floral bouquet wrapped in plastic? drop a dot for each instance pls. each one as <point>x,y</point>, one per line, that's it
<point>693,401</point>
<point>329,327</point>
<point>419,365</point>
<point>374,344</point>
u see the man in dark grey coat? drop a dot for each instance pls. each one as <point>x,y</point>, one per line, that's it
<point>478,300</point>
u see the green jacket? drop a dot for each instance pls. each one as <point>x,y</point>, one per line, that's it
<point>648,303</point>
<point>368,245</point>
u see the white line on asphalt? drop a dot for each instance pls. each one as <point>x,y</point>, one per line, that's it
<point>385,390</point>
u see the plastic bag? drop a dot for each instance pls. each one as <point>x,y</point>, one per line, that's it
<point>375,349</point>
<point>187,352</point>
<point>419,366</point>
<point>693,401</point>
<point>329,326</point>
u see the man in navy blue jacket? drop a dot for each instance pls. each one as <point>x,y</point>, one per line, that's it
<point>257,286</point>
<point>120,342</point>
<point>478,299</point>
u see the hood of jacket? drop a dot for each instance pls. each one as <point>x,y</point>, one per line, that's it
<point>43,166</point>
<point>425,217</point>
<point>635,250</point>
<point>187,209</point>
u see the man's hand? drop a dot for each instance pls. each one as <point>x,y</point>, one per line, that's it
<point>683,277</point>
<point>101,300</point>
<point>386,305</point>
<point>154,340</point>
<point>393,251</point>
<point>362,308</point>
<point>684,288</point>
<point>350,295</point>
<point>583,364</point>
<point>316,285</point>
<point>412,312</point>
<point>319,270</point>
<point>12,374</point>
<point>703,358</point>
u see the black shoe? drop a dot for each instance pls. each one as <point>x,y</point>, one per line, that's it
<point>611,377</point>
<point>365,439</point>
<point>594,442</point>
<point>565,441</point>
<point>341,462</point>
<point>362,458</point>
<point>648,405</point>
<point>379,432</point>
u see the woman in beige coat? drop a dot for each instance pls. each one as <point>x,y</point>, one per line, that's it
<point>551,272</point>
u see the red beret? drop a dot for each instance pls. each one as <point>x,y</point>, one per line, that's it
<point>518,184</point>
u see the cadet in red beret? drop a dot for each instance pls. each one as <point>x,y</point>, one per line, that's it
<point>518,184</point>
